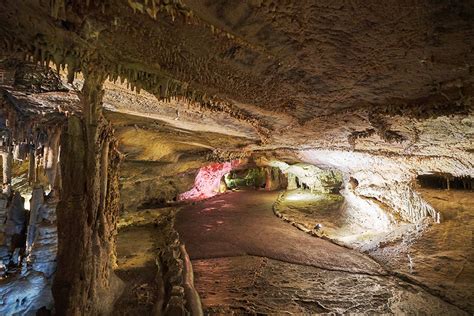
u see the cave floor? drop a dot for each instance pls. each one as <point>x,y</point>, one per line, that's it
<point>137,248</point>
<point>246,260</point>
<point>442,254</point>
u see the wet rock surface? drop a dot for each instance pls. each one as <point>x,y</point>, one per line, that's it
<point>243,223</point>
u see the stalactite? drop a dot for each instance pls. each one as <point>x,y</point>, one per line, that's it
<point>7,170</point>
<point>31,164</point>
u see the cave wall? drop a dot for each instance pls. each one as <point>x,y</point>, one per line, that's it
<point>389,180</point>
<point>208,180</point>
<point>149,185</point>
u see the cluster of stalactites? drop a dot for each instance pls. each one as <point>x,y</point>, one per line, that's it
<point>24,139</point>
<point>160,85</point>
<point>73,59</point>
<point>174,8</point>
<point>45,53</point>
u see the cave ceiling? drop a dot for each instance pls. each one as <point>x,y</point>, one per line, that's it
<point>389,77</point>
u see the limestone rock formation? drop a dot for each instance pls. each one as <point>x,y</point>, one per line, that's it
<point>352,99</point>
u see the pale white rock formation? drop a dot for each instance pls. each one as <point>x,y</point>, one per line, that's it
<point>25,294</point>
<point>384,179</point>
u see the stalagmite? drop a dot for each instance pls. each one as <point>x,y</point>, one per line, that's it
<point>37,199</point>
<point>15,221</point>
<point>292,184</point>
<point>7,171</point>
<point>31,164</point>
<point>51,159</point>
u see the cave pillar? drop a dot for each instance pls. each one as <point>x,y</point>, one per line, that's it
<point>272,179</point>
<point>31,164</point>
<point>7,163</point>
<point>292,182</point>
<point>88,209</point>
<point>268,179</point>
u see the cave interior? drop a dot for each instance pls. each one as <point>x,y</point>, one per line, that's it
<point>185,157</point>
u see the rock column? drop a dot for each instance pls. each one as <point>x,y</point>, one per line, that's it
<point>292,185</point>
<point>88,209</point>
<point>7,159</point>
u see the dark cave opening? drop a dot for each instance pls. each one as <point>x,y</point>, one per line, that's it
<point>255,178</point>
<point>354,183</point>
<point>445,181</point>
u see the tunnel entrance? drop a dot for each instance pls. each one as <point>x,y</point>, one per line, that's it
<point>268,178</point>
<point>445,181</point>
<point>246,178</point>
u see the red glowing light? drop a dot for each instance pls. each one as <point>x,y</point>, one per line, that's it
<point>208,179</point>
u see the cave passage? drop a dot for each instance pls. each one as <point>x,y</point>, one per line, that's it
<point>184,157</point>
<point>437,181</point>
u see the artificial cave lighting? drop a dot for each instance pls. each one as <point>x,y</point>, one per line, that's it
<point>302,196</point>
<point>208,180</point>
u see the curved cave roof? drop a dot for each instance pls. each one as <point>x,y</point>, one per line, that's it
<point>386,76</point>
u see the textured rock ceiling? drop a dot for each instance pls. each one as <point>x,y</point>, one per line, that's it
<point>391,76</point>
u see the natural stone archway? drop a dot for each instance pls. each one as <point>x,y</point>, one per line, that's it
<point>88,210</point>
